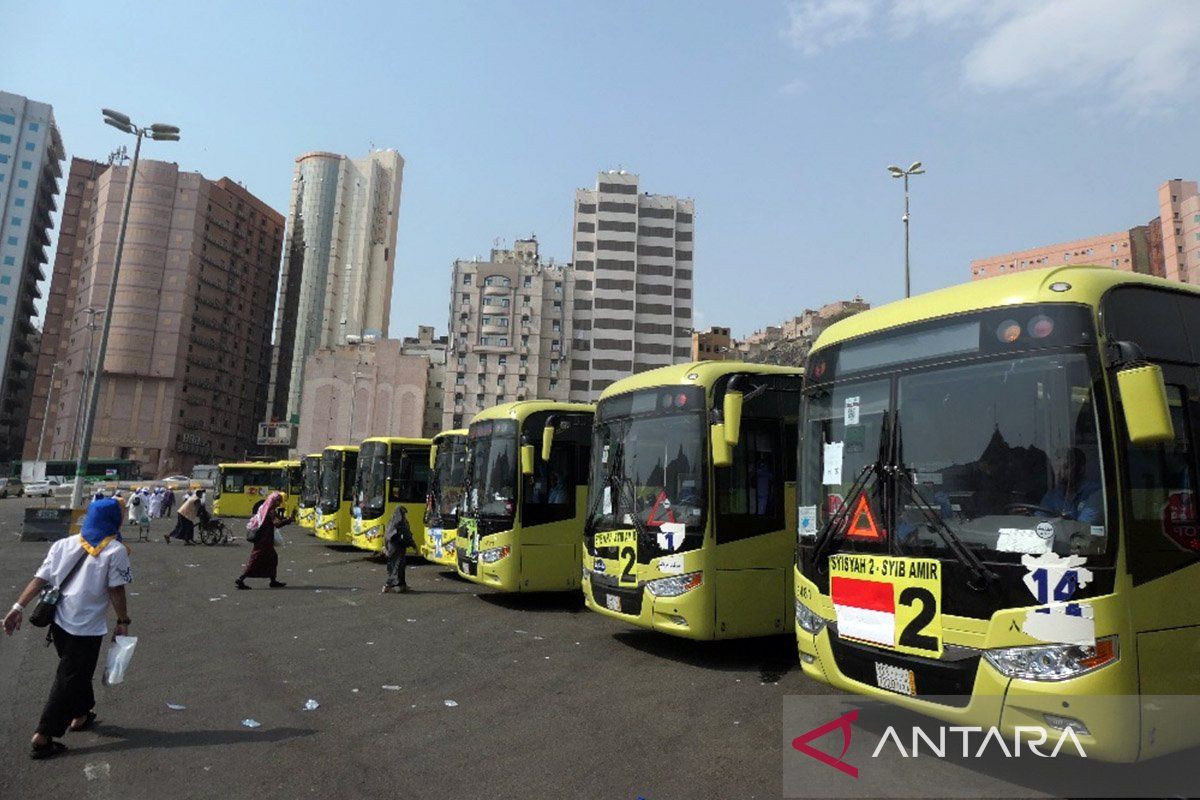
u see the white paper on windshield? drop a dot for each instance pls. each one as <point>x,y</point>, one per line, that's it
<point>670,535</point>
<point>833,464</point>
<point>604,455</point>
<point>670,565</point>
<point>807,518</point>
<point>607,500</point>
<point>1022,540</point>
<point>850,417</point>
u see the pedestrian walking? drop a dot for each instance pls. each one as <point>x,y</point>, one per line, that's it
<point>139,515</point>
<point>168,501</point>
<point>186,519</point>
<point>90,571</point>
<point>156,501</point>
<point>264,560</point>
<point>398,538</point>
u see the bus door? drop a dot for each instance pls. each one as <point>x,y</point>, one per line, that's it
<point>755,509</point>
<point>553,501</point>
<point>408,483</point>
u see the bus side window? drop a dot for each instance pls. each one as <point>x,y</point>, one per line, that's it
<point>410,477</point>
<point>349,471</point>
<point>1162,502</point>
<point>750,490</point>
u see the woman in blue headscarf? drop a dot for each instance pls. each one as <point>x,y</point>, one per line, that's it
<point>90,571</point>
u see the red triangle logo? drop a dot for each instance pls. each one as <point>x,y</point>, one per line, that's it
<point>843,724</point>
<point>862,523</point>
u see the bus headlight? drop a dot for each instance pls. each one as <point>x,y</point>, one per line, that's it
<point>675,585</point>
<point>1053,662</point>
<point>808,620</point>
<point>494,554</point>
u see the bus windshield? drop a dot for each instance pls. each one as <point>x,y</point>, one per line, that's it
<point>648,462</point>
<point>449,478</point>
<point>1004,451</point>
<point>311,487</point>
<point>331,481</point>
<point>492,447</point>
<point>371,481</point>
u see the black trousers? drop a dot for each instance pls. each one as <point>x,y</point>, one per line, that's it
<point>71,695</point>
<point>185,529</point>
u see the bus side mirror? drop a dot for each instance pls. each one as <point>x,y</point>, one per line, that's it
<point>526,459</point>
<point>731,415</point>
<point>432,456</point>
<point>547,442</point>
<point>722,454</point>
<point>1144,403</point>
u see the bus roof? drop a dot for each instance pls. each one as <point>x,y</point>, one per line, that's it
<point>398,440</point>
<point>342,447</point>
<point>1087,285</point>
<point>437,437</point>
<point>695,373</point>
<point>523,408</point>
<point>251,464</point>
<point>313,455</point>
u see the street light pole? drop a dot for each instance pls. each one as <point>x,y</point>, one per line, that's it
<point>46,412</point>
<point>87,377</point>
<point>158,132</point>
<point>896,172</point>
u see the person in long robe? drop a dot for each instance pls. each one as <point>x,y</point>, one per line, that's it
<point>264,561</point>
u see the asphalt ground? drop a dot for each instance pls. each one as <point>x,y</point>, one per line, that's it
<point>551,700</point>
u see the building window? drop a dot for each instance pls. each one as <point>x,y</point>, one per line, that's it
<point>466,298</point>
<point>558,304</point>
<point>527,282</point>
<point>8,262</point>
<point>26,165</point>
<point>3,299</point>
<point>467,279</point>
<point>16,222</point>
<point>3,159</point>
<point>8,119</point>
<point>29,145</point>
<point>556,325</point>
<point>33,126</point>
<point>5,138</point>
<point>19,202</point>
<point>503,342</point>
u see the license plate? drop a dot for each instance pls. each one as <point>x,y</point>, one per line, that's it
<point>895,679</point>
<point>613,602</point>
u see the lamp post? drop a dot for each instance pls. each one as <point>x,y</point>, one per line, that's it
<point>46,412</point>
<point>87,376</point>
<point>896,172</point>
<point>159,133</point>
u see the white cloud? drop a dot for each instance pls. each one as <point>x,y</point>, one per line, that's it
<point>816,25</point>
<point>794,87</point>
<point>1137,53</point>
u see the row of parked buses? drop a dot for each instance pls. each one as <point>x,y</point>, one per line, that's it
<point>976,503</point>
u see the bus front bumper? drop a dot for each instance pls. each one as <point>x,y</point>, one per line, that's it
<point>367,534</point>
<point>496,564</point>
<point>689,615</point>
<point>326,527</point>
<point>441,547</point>
<point>1104,701</point>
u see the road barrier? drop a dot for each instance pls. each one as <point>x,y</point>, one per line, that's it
<point>50,524</point>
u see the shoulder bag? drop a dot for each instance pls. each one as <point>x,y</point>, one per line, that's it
<point>47,605</point>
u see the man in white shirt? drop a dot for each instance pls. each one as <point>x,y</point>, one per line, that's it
<point>80,622</point>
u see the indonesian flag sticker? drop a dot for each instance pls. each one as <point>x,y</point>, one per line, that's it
<point>865,609</point>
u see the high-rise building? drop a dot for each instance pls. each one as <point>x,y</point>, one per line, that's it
<point>31,154</point>
<point>633,303</point>
<point>79,201</point>
<point>510,332</point>
<point>185,377</point>
<point>338,262</point>
<point>434,348</point>
<point>1167,246</point>
<point>367,387</point>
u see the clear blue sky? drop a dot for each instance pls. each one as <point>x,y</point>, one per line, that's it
<point>1038,122</point>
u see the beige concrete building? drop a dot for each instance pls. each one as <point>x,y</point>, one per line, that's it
<point>789,343</point>
<point>365,388</point>
<point>185,377</point>
<point>338,263</point>
<point>79,200</point>
<point>715,344</point>
<point>1167,246</point>
<point>434,348</point>
<point>510,331</point>
<point>633,261</point>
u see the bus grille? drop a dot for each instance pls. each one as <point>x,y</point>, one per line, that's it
<point>951,676</point>
<point>631,599</point>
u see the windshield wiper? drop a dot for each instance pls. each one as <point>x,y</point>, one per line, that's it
<point>827,534</point>
<point>616,452</point>
<point>952,540</point>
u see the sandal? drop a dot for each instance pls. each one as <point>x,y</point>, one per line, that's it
<point>276,584</point>
<point>50,749</point>
<point>238,583</point>
<point>88,722</point>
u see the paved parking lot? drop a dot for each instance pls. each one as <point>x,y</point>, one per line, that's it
<point>551,700</point>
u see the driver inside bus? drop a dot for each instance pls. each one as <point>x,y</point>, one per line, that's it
<point>1074,496</point>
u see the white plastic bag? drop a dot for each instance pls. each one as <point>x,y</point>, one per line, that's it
<point>120,653</point>
<point>278,538</point>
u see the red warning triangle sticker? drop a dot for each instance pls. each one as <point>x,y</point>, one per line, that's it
<point>862,523</point>
<point>661,503</point>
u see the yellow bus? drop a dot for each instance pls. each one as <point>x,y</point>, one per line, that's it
<point>310,490</point>
<point>392,472</point>
<point>241,487</point>
<point>448,459</point>
<point>521,529</point>
<point>339,464</point>
<point>691,525</point>
<point>997,518</point>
